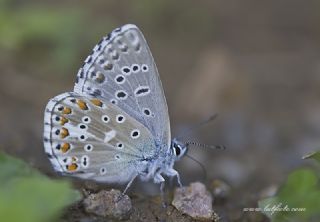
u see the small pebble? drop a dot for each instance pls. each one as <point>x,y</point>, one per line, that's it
<point>108,204</point>
<point>194,201</point>
<point>269,191</point>
<point>220,189</point>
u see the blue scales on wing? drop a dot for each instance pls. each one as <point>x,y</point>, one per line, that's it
<point>121,70</point>
<point>94,139</point>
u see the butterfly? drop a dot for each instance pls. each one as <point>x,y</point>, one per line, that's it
<point>114,126</point>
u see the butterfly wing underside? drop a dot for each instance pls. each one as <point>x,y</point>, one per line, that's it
<point>90,138</point>
<point>121,70</point>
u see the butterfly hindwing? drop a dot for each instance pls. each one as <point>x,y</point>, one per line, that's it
<point>121,70</point>
<point>91,138</point>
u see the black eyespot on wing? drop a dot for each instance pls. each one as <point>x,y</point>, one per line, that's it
<point>147,112</point>
<point>86,119</point>
<point>142,91</point>
<point>121,95</point>
<point>119,79</point>
<point>135,67</point>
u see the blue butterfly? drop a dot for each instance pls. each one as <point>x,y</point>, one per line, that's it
<point>114,126</point>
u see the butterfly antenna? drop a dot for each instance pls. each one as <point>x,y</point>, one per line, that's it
<point>201,165</point>
<point>216,147</point>
<point>190,130</point>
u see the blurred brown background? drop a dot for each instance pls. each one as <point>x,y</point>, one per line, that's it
<point>255,63</point>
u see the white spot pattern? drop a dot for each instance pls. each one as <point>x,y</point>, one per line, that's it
<point>109,136</point>
<point>120,118</point>
<point>135,134</point>
<point>105,118</point>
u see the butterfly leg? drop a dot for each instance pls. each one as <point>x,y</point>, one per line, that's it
<point>159,179</point>
<point>173,173</point>
<point>129,184</point>
<point>127,187</point>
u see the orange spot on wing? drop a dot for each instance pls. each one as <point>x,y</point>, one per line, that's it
<point>82,105</point>
<point>97,102</point>
<point>63,120</point>
<point>72,167</point>
<point>66,110</point>
<point>65,147</point>
<point>64,133</point>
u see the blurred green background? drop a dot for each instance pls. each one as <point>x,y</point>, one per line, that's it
<point>255,63</point>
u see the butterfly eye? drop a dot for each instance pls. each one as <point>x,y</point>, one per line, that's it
<point>177,149</point>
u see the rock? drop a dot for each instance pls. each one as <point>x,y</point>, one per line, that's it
<point>194,201</point>
<point>108,204</point>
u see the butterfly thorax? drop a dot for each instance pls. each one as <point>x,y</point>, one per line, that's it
<point>163,162</point>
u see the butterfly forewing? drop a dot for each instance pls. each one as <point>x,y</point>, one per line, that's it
<point>91,138</point>
<point>121,70</point>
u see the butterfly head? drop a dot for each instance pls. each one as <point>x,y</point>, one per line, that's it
<point>178,149</point>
